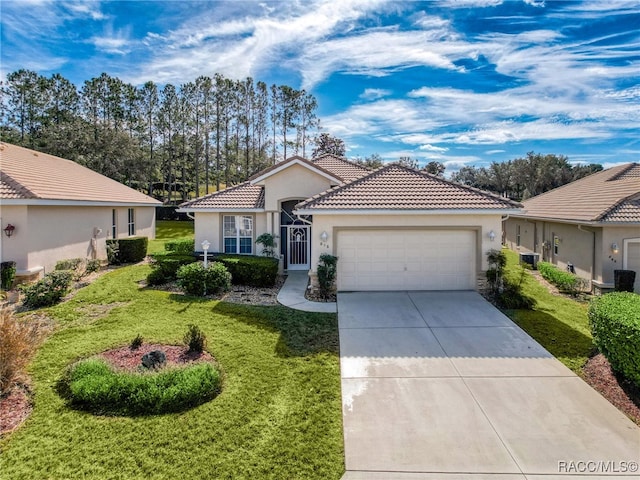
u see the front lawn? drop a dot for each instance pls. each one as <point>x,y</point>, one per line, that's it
<point>278,416</point>
<point>558,323</point>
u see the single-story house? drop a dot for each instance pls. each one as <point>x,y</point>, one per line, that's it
<point>53,209</point>
<point>393,228</point>
<point>591,225</point>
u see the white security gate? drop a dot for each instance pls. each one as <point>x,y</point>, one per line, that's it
<point>298,247</point>
<point>406,260</point>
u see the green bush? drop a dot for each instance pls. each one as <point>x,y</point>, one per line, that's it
<point>250,270</point>
<point>327,270</point>
<point>70,264</point>
<point>113,252</point>
<point>7,274</point>
<point>48,291</point>
<point>565,281</point>
<point>615,325</point>
<point>94,386</point>
<point>194,279</point>
<point>92,266</point>
<point>127,250</point>
<point>180,247</point>
<point>195,339</point>
<point>169,263</point>
<point>157,277</point>
<point>137,342</point>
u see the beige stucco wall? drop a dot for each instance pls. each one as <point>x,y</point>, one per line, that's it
<point>577,245</point>
<point>46,234</point>
<point>333,223</point>
<point>208,226</point>
<point>293,182</point>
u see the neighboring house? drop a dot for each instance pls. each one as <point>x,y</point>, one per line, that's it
<point>61,210</point>
<point>393,228</point>
<point>592,224</point>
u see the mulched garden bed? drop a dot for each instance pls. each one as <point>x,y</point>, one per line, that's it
<point>623,394</point>
<point>124,358</point>
<point>15,407</point>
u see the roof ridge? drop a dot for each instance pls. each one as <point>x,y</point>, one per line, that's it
<point>608,211</point>
<point>629,166</point>
<point>213,194</point>
<point>291,160</point>
<point>343,159</point>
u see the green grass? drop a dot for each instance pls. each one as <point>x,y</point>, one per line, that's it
<point>169,230</point>
<point>278,415</point>
<point>558,323</point>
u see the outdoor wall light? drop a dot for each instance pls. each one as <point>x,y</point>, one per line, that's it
<point>492,235</point>
<point>205,248</point>
<point>324,236</point>
<point>614,247</point>
<point>9,229</point>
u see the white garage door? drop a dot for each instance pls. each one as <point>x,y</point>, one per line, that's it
<point>406,260</point>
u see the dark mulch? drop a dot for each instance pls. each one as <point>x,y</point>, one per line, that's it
<point>620,392</point>
<point>124,358</point>
<point>15,407</point>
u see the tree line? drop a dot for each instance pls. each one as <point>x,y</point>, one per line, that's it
<point>169,140</point>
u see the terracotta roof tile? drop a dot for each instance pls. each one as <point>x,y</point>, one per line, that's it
<point>395,187</point>
<point>590,199</point>
<point>295,159</point>
<point>341,167</point>
<point>242,196</point>
<point>627,211</point>
<point>27,174</point>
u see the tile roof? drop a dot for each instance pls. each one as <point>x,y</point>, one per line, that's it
<point>294,160</point>
<point>602,196</point>
<point>342,167</point>
<point>30,175</point>
<point>242,196</point>
<point>395,187</point>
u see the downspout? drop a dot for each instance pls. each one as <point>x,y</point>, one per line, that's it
<point>189,215</point>
<point>593,252</point>
<point>504,231</point>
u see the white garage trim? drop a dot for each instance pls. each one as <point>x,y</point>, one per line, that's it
<point>631,258</point>
<point>407,258</point>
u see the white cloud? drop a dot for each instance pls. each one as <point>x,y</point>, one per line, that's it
<point>375,93</point>
<point>493,152</point>
<point>118,42</point>
<point>432,148</point>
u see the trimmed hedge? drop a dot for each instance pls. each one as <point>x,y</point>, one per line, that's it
<point>250,270</point>
<point>127,250</point>
<point>7,274</point>
<point>94,386</point>
<point>168,264</point>
<point>615,325</point>
<point>194,279</point>
<point>180,247</point>
<point>565,281</point>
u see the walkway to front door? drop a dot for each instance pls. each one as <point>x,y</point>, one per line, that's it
<point>441,385</point>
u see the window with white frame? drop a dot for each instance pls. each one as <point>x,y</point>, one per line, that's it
<point>131,221</point>
<point>114,223</point>
<point>238,234</point>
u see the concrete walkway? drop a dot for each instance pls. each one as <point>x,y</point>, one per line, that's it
<point>441,385</point>
<point>292,295</point>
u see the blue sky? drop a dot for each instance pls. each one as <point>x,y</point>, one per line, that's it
<point>463,82</point>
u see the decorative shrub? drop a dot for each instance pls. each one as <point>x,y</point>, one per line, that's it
<point>19,340</point>
<point>70,264</point>
<point>113,252</point>
<point>169,263</point>
<point>327,270</point>
<point>250,270</point>
<point>268,242</point>
<point>505,292</point>
<point>180,247</point>
<point>194,279</point>
<point>565,281</point>
<point>92,266</point>
<point>7,274</point>
<point>615,325</point>
<point>195,339</point>
<point>157,277</point>
<point>48,291</point>
<point>94,386</point>
<point>133,249</point>
<point>136,343</point>
<point>497,260</point>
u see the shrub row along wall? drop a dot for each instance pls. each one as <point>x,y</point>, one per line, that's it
<point>615,325</point>
<point>565,281</point>
<point>127,250</point>
<point>250,270</point>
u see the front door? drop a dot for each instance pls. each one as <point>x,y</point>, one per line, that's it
<point>298,247</point>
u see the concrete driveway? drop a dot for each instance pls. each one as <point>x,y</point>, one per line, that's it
<point>441,385</point>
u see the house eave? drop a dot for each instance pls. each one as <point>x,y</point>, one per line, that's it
<point>573,221</point>
<point>443,211</point>
<point>73,203</point>
<point>257,180</point>
<point>220,210</point>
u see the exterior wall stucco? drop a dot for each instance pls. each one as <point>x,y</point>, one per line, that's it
<point>588,249</point>
<point>47,234</point>
<point>295,181</point>
<point>14,248</point>
<point>332,224</point>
